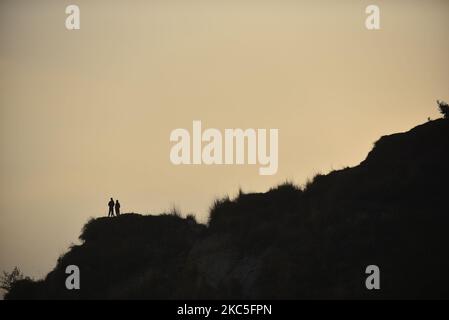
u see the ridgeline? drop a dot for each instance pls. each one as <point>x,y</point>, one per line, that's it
<point>391,210</point>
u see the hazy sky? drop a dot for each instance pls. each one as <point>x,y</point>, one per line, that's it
<point>87,114</point>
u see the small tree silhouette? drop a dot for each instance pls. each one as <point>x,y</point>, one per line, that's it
<point>444,108</point>
<point>8,279</point>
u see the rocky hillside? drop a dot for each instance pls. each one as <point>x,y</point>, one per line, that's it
<point>392,211</point>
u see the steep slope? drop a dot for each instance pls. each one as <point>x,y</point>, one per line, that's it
<point>391,210</point>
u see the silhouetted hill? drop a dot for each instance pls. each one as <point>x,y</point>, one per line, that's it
<point>391,210</point>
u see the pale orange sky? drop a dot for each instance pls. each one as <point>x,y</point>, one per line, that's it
<point>86,114</point>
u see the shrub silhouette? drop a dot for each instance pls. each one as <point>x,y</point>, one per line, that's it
<point>8,279</point>
<point>390,210</point>
<point>444,108</point>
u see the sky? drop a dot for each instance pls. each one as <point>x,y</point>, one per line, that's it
<point>86,114</point>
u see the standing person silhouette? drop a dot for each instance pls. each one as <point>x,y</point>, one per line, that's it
<point>117,208</point>
<point>111,208</point>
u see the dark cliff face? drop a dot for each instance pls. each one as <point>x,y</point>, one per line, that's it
<point>391,211</point>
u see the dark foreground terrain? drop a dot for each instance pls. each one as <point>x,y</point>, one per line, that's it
<point>392,211</point>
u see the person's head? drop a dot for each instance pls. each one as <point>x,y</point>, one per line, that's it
<point>112,199</point>
<point>116,200</point>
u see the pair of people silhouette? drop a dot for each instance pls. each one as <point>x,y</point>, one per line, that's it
<point>113,205</point>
